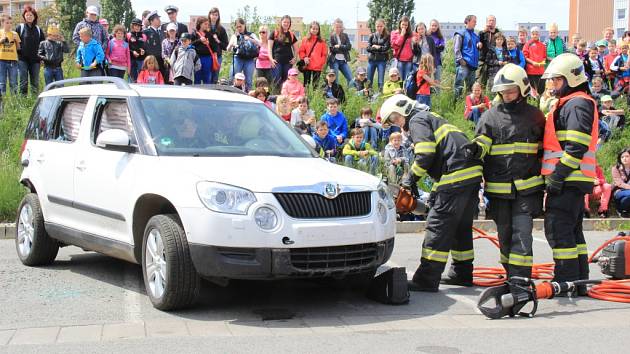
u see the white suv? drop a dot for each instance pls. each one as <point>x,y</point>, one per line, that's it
<point>192,182</point>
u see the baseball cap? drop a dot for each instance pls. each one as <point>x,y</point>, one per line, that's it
<point>393,71</point>
<point>331,72</point>
<point>93,10</point>
<point>606,98</point>
<point>602,43</point>
<point>136,21</point>
<point>186,36</point>
<point>171,8</point>
<point>361,70</point>
<point>239,76</point>
<point>171,26</point>
<point>293,71</point>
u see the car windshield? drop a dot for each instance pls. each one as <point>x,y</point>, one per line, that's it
<point>198,127</point>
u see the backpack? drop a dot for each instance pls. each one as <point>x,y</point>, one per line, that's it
<point>246,49</point>
<point>410,86</point>
<point>22,28</point>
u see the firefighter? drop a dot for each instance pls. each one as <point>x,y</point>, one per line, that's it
<point>439,153</point>
<point>509,141</point>
<point>570,140</point>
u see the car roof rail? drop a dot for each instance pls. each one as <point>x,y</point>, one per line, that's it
<point>220,88</point>
<point>120,83</point>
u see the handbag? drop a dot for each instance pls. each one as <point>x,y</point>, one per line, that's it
<point>215,59</point>
<point>301,65</point>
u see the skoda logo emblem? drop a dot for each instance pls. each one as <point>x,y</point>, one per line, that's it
<point>331,191</point>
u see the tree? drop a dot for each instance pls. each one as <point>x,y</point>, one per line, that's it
<point>391,11</point>
<point>117,12</point>
<point>71,12</point>
<point>252,18</point>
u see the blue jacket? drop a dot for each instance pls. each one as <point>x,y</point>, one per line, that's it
<point>465,47</point>
<point>337,124</point>
<point>88,53</point>
<point>517,57</point>
<point>327,143</point>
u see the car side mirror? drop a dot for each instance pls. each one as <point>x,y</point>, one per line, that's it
<point>309,139</point>
<point>115,140</point>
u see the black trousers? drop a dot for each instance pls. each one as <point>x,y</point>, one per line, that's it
<point>515,221</point>
<point>563,229</point>
<point>449,228</point>
<point>311,77</point>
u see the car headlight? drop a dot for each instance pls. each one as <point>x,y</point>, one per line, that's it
<point>382,213</point>
<point>266,218</point>
<point>385,195</point>
<point>224,198</point>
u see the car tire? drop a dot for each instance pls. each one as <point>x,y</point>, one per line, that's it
<point>170,278</point>
<point>32,243</point>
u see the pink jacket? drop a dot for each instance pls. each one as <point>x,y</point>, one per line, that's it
<point>619,179</point>
<point>263,62</point>
<point>293,88</point>
<point>118,53</point>
<point>402,53</point>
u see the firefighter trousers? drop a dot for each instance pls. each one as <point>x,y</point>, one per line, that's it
<point>449,228</point>
<point>515,221</point>
<point>563,230</point>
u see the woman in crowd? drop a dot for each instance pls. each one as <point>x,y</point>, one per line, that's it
<point>378,49</point>
<point>201,42</point>
<point>263,64</point>
<point>422,44</point>
<point>313,52</point>
<point>621,183</point>
<point>401,43</point>
<point>218,40</point>
<point>340,46</point>
<point>438,39</point>
<point>28,60</point>
<point>283,48</point>
<point>246,47</point>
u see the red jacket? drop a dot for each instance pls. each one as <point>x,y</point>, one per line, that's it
<point>397,41</point>
<point>536,51</point>
<point>320,53</point>
<point>150,77</point>
<point>470,102</point>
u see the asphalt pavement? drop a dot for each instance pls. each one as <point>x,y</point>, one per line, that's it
<point>86,302</point>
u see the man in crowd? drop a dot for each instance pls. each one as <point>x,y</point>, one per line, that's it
<point>465,47</point>
<point>172,11</point>
<point>486,41</point>
<point>91,21</point>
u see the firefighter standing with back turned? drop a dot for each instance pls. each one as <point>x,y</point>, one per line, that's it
<point>439,153</point>
<point>569,164</point>
<point>509,141</point>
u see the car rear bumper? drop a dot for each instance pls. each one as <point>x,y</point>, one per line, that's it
<point>278,263</point>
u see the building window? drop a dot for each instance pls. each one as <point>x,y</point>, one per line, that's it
<point>351,37</point>
<point>621,14</point>
<point>364,38</point>
<point>364,51</point>
<point>620,32</point>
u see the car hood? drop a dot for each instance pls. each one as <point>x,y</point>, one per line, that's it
<point>266,174</point>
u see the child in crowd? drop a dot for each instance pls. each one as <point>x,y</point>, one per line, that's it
<point>283,106</point>
<point>602,48</point>
<point>185,61</point>
<point>393,85</point>
<point>51,53</point>
<point>337,122</point>
<point>608,60</point>
<point>535,53</point>
<point>117,53</point>
<point>369,125</point>
<point>150,73</point>
<point>621,66</point>
<point>601,192</point>
<point>515,55</point>
<point>581,50</point>
<point>293,88</point>
<point>332,89</point>
<point>396,160</point>
<point>261,94</point>
<point>326,143</point>
<point>239,82</point>
<point>137,41</point>
<point>621,183</point>
<point>361,83</point>
<point>302,113</point>
<point>598,90</point>
<point>9,46</point>
<point>476,104</point>
<point>594,65</point>
<point>90,55</point>
<point>358,152</point>
<point>548,99</point>
<point>496,58</point>
<point>169,44</point>
<point>615,118</point>
<point>424,79</point>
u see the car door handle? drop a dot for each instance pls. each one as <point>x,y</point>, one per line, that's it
<point>81,166</point>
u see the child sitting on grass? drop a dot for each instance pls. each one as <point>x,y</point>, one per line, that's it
<point>369,125</point>
<point>326,143</point>
<point>360,153</point>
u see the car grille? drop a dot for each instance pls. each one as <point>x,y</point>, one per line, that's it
<point>349,257</point>
<point>315,206</point>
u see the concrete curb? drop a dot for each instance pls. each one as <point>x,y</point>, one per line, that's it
<point>7,231</point>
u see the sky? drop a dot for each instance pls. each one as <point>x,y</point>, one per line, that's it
<point>508,12</point>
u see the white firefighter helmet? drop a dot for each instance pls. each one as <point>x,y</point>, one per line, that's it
<point>509,76</point>
<point>399,103</point>
<point>568,66</point>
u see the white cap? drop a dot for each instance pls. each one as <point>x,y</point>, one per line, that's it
<point>239,76</point>
<point>93,10</point>
<point>171,26</point>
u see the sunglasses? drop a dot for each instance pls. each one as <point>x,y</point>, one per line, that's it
<point>262,32</point>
